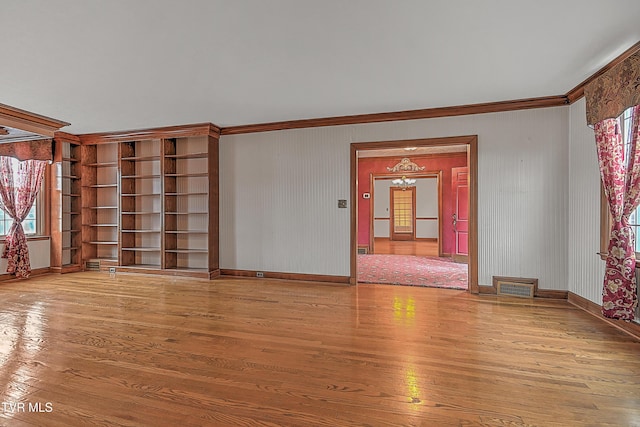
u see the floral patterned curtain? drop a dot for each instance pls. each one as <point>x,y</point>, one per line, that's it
<point>41,149</point>
<point>16,199</point>
<point>610,94</point>
<point>621,182</point>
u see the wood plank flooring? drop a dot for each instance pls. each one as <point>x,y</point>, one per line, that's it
<point>400,247</point>
<point>138,350</point>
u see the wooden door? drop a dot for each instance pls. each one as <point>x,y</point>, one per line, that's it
<point>403,213</point>
<point>460,220</point>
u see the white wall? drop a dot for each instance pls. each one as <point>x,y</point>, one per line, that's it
<point>39,255</point>
<point>586,269</point>
<point>279,193</point>
<point>381,202</point>
<point>427,207</point>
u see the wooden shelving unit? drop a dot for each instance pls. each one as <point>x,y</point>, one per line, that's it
<point>100,206</point>
<point>186,202</point>
<point>150,202</point>
<point>66,206</point>
<point>140,204</point>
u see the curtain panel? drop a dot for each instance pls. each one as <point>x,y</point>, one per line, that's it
<point>607,97</point>
<point>621,183</point>
<point>16,199</point>
<point>613,92</point>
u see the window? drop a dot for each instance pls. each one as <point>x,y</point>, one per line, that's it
<point>31,223</point>
<point>605,216</point>
<point>625,127</point>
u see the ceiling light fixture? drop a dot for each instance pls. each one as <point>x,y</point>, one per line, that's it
<point>404,182</point>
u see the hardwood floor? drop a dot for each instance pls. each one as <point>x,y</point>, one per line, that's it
<point>163,351</point>
<point>399,247</point>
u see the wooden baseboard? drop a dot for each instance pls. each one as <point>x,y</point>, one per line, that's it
<point>594,309</point>
<point>286,276</point>
<point>551,294</point>
<point>197,274</point>
<point>427,239</point>
<point>487,290</point>
<point>35,272</point>
<point>67,269</point>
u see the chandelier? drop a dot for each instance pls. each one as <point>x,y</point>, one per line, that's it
<point>404,182</point>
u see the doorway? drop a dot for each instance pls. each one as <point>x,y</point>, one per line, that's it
<point>406,226</point>
<point>403,208</point>
<point>460,217</point>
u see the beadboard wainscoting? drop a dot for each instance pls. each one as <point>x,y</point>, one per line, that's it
<point>279,194</point>
<point>39,254</point>
<point>586,269</point>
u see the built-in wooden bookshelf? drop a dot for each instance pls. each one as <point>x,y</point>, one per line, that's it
<point>100,208</point>
<point>186,204</point>
<point>140,204</point>
<point>150,200</point>
<point>65,205</point>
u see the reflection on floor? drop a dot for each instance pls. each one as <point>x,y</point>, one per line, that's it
<point>414,263</point>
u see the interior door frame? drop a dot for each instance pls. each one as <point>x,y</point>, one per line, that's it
<point>431,174</point>
<point>471,141</point>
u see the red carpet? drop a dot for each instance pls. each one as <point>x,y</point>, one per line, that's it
<point>412,270</point>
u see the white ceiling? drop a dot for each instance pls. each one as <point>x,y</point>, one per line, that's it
<point>107,65</point>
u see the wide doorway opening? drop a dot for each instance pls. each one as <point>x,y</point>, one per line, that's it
<point>414,216</point>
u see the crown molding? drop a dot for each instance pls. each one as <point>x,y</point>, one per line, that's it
<point>428,113</point>
<point>30,122</point>
<point>66,137</point>
<point>181,131</point>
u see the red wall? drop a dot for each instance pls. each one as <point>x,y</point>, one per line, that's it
<point>368,166</point>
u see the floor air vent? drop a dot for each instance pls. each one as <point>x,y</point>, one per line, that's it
<point>92,265</point>
<point>515,286</point>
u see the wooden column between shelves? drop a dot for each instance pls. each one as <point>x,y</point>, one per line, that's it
<point>214,208</point>
<point>170,204</point>
<point>55,209</point>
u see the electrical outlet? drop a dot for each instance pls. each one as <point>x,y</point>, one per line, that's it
<point>112,270</point>
<point>259,274</point>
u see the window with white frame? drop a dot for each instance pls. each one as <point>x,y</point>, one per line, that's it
<point>31,223</point>
<point>625,123</point>
<point>625,127</point>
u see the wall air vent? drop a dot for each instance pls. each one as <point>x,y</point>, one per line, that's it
<point>363,250</point>
<point>92,265</point>
<point>515,286</point>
